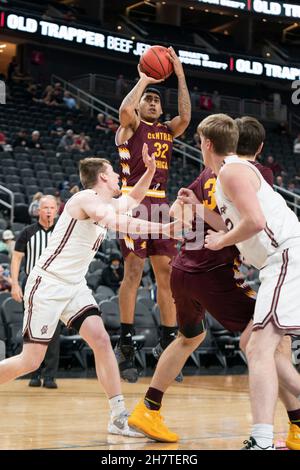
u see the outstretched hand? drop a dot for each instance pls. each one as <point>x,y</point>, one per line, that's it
<point>148,160</point>
<point>177,65</point>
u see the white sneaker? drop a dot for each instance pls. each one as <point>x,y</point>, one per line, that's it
<point>119,425</point>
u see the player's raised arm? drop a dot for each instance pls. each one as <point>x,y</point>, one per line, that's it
<point>240,185</point>
<point>179,123</point>
<point>127,111</point>
<point>138,192</point>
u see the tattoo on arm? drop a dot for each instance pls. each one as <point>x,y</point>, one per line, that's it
<point>184,101</point>
<point>133,98</point>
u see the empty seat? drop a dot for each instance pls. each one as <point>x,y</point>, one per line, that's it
<point>12,313</point>
<point>105,291</point>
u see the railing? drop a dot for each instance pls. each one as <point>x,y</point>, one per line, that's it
<point>104,85</point>
<point>86,100</point>
<point>11,205</point>
<point>187,152</point>
<point>292,199</point>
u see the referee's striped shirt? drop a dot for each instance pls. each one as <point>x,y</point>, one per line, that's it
<point>32,241</point>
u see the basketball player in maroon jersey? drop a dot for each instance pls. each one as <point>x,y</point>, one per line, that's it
<point>204,280</point>
<point>139,122</point>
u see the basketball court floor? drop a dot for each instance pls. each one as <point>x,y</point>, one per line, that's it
<point>208,412</point>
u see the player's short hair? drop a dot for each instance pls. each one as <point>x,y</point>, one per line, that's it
<point>153,90</point>
<point>252,134</point>
<point>89,169</point>
<point>222,131</point>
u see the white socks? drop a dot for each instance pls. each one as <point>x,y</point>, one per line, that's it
<point>117,405</point>
<point>263,434</point>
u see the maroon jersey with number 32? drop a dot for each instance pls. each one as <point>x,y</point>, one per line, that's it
<point>159,139</point>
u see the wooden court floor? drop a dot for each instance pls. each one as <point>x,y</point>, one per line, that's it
<point>208,412</point>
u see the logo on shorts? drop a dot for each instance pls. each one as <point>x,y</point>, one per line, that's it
<point>44,329</point>
<point>223,209</point>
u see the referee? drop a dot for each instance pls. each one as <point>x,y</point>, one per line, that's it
<point>31,243</point>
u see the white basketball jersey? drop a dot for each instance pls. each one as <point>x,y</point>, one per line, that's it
<point>282,226</point>
<point>71,248</point>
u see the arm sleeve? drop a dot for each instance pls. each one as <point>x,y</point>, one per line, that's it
<point>21,243</point>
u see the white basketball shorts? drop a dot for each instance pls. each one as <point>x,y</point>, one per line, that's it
<point>278,298</point>
<point>48,300</point>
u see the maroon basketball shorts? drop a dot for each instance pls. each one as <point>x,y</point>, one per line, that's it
<point>150,246</point>
<point>217,291</point>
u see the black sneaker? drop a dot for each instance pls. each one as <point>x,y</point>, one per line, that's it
<point>49,382</point>
<point>157,352</point>
<point>35,381</point>
<point>125,355</point>
<point>252,445</point>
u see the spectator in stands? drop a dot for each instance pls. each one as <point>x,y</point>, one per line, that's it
<point>274,166</point>
<point>206,102</point>
<point>65,194</point>
<point>112,275</point>
<point>56,127</point>
<point>33,209</point>
<point>22,139</point>
<point>2,141</point>
<point>195,97</point>
<point>279,181</point>
<point>8,242</point>
<point>297,144</point>
<point>67,143</point>
<point>33,93</point>
<point>82,142</point>
<point>69,101</point>
<point>111,124</point>
<point>47,96</point>
<point>35,142</point>
<point>11,69</point>
<point>121,87</point>
<point>101,124</point>
<point>196,139</point>
<point>216,100</point>
<point>4,145</point>
<point>5,280</point>
<point>283,128</point>
<point>293,187</point>
<point>19,76</point>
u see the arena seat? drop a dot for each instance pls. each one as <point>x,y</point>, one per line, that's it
<point>12,314</point>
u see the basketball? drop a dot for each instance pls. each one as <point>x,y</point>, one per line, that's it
<point>155,62</point>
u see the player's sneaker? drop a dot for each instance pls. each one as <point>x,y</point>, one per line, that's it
<point>125,357</point>
<point>293,439</point>
<point>252,445</point>
<point>150,422</point>
<point>119,425</point>
<point>157,352</point>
